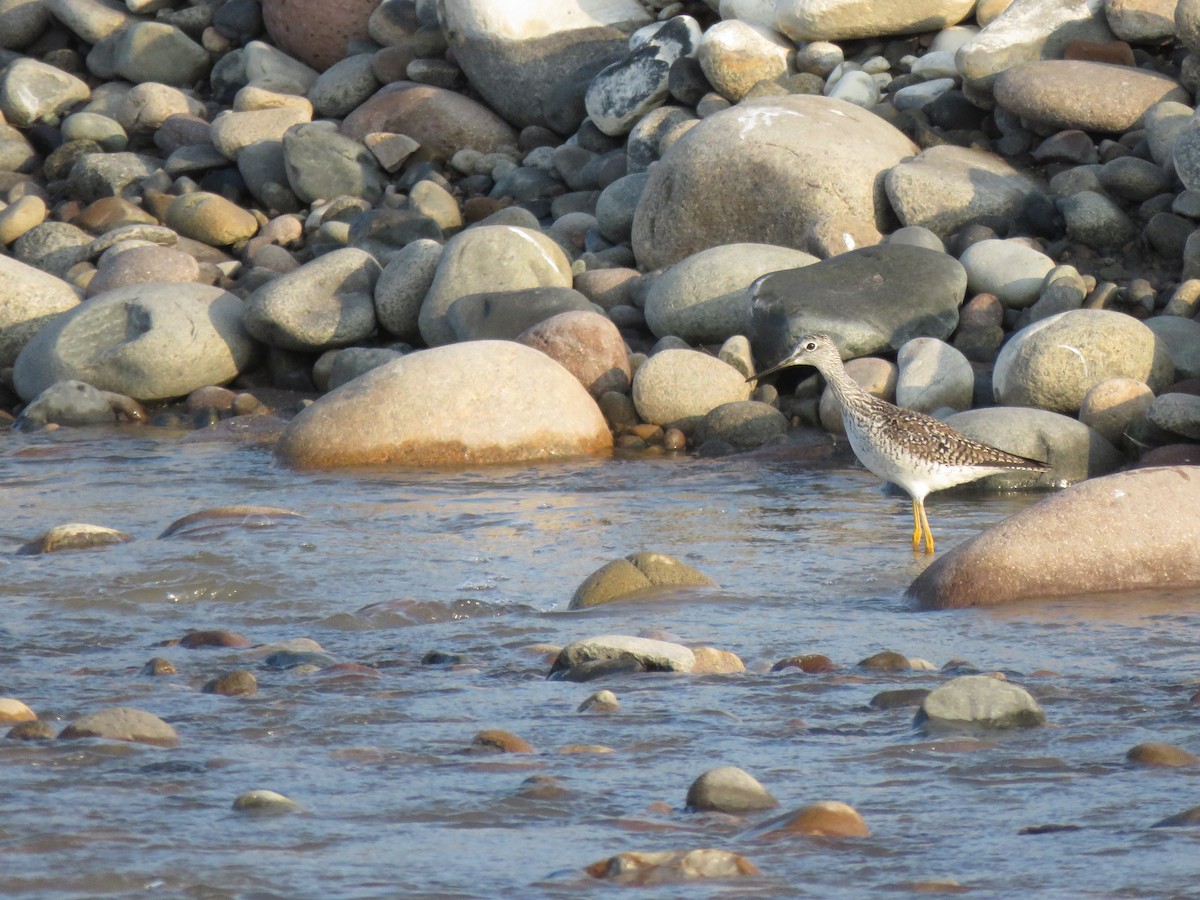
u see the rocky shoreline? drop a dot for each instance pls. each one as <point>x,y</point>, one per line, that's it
<point>206,204</point>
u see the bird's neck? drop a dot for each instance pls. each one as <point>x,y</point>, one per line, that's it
<point>845,389</point>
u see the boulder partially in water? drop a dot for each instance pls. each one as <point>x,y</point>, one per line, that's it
<point>979,700</point>
<point>123,723</point>
<point>1129,531</point>
<point>635,574</point>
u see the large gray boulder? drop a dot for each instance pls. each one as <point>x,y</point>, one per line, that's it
<point>870,300</point>
<point>703,298</point>
<point>1125,532</point>
<point>148,341</point>
<point>466,404</point>
<point>1053,363</point>
<point>674,386</point>
<point>532,61</point>
<point>841,20</point>
<point>819,162</point>
<point>979,701</point>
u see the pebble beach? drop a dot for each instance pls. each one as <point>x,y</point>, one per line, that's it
<point>385,371</point>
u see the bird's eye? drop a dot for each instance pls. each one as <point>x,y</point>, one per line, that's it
<point>811,345</point>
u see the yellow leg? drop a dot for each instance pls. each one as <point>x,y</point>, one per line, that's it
<point>925,528</point>
<point>916,527</point>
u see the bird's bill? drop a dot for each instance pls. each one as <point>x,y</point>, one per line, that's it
<point>778,367</point>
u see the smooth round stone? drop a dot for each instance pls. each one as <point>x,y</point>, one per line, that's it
<point>1010,270</point>
<point>239,683</point>
<point>1177,414</point>
<point>443,122</point>
<point>33,92</point>
<point>1164,122</point>
<point>402,287</point>
<point>1156,753</point>
<point>671,867</point>
<point>1054,362</point>
<point>1139,526</point>
<point>806,20</point>
<point>677,385</point>
<point>13,710</point>
<point>99,175</point>
<point>533,61</point>
<point>1092,96</point>
<point>979,700</point>
<point>476,403</point>
<point>233,132</point>
<point>873,375</point>
<point>1096,221</point>
<point>617,204</point>
<point>856,87</point>
<point>74,536</point>
<point>586,344</point>
<point>825,818</point>
<point>20,216</point>
<point>918,96</point>
<point>489,258</point>
<point>342,87</point>
<point>85,126</point>
<point>774,143</point>
<point>729,789</point>
<point>1073,450</point>
<point>635,576</point>
<point>261,802</point>
<point>1141,21</point>
<point>869,300</point>
<point>122,723</point>
<point>505,315</point>
<point>90,20</point>
<point>351,362</point>
<point>1063,289</point>
<point>323,304</point>
<point>141,265</point>
<point>210,219</point>
<point>146,107</point>
<point>29,300</point>
<point>945,187</point>
<point>53,247</point>
<point>1182,339</point>
<point>601,701</point>
<point>703,298</point>
<point>933,375</point>
<point>1133,178</point>
<point>1110,406</point>
<point>917,236</point>
<point>314,31</point>
<point>150,342</point>
<point>627,89</point>
<point>322,164</point>
<point>735,55</point>
<point>498,741</point>
<point>22,22</point>
<point>158,52</point>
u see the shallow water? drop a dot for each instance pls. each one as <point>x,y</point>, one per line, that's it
<point>812,556</point>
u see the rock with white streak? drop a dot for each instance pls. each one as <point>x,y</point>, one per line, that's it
<point>840,20</point>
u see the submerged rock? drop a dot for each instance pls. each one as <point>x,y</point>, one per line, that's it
<point>979,700</point>
<point>636,574</point>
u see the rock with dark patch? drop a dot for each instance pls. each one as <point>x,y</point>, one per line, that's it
<point>870,301</point>
<point>981,701</point>
<point>646,654</point>
<point>1124,532</point>
<point>637,574</point>
<point>239,683</point>
<point>505,315</point>
<point>74,536</point>
<point>661,867</point>
<point>122,723</point>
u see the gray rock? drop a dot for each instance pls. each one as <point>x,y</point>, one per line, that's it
<point>53,247</point>
<point>673,386</point>
<point>1163,123</point>
<point>122,723</point>
<point>29,300</point>
<point>624,91</point>
<point>91,20</point>
<point>981,701</point>
<point>489,258</point>
<point>233,132</point>
<point>264,170</point>
<point>933,375</point>
<point>504,315</point>
<point>1177,414</point>
<point>917,236</point>
<point>945,187</point>
<point>344,86</point>
<point>1073,450</point>
<point>32,92</point>
<point>147,341</point>
<point>99,175</point>
<point>67,403</point>
<point>804,20</point>
<point>616,205</point>
<point>16,153</point>
<point>323,304</point>
<point>869,300</point>
<point>1133,178</point>
<point>1182,339</point>
<point>696,196</point>
<point>158,52</point>
<point>322,164</point>
<point>729,790</point>
<point>1141,21</point>
<point>1052,363</point>
<point>273,69</point>
<point>1130,531</point>
<point>703,298</point>
<point>1096,221</point>
<point>1063,290</point>
<point>402,287</point>
<point>21,22</point>
<point>1011,270</point>
<point>743,425</point>
<point>351,362</point>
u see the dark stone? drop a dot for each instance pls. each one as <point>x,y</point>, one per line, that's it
<point>899,699</point>
<point>686,81</point>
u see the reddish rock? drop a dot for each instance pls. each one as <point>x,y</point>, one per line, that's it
<point>314,31</point>
<point>214,638</point>
<point>586,344</point>
<point>1153,753</point>
<point>825,818</point>
<point>495,741</point>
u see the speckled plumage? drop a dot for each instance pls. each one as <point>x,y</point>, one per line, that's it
<point>903,446</point>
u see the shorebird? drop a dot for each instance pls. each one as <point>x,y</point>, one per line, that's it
<point>908,448</point>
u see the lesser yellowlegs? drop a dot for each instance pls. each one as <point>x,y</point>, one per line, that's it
<point>903,446</point>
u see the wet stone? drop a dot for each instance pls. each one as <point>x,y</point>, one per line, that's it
<point>30,731</point>
<point>1154,753</point>
<point>886,661</point>
<point>496,741</point>
<point>265,803</point>
<point>157,666</point>
<point>74,536</point>
<point>239,683</point>
<point>214,638</point>
<point>809,663</point>
<point>730,790</point>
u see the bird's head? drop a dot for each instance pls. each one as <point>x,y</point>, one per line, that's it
<point>816,350</point>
